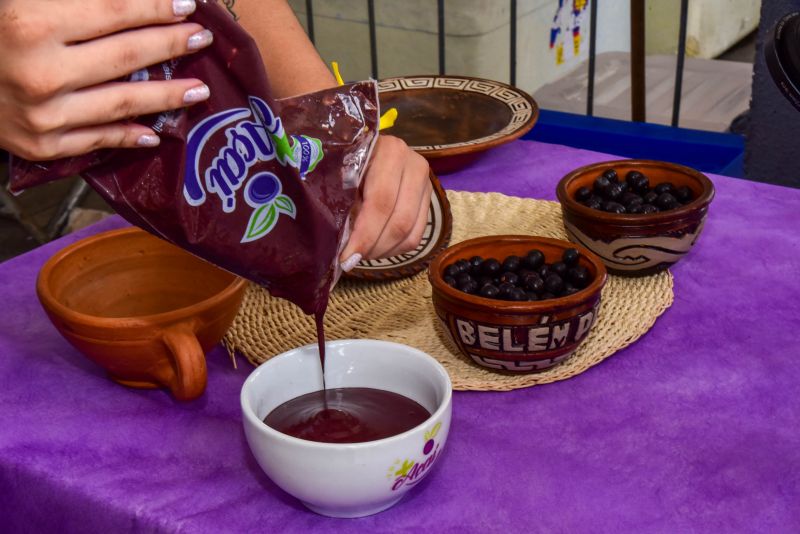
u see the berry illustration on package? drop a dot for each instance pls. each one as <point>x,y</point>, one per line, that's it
<point>263,192</point>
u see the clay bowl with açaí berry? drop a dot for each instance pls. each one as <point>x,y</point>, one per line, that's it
<point>638,216</point>
<point>517,304</point>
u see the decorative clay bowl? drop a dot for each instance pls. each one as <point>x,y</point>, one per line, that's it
<point>143,309</point>
<point>352,479</point>
<point>636,244</point>
<point>452,120</point>
<point>517,337</point>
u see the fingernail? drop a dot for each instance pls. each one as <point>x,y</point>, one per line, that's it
<point>181,8</point>
<point>196,94</point>
<point>350,263</point>
<point>148,140</point>
<point>200,40</point>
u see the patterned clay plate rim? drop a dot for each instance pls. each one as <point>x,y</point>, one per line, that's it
<point>523,107</point>
<point>434,240</point>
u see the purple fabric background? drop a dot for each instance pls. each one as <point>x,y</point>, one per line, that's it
<point>696,427</point>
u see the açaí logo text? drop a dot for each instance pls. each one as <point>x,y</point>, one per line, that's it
<point>248,142</point>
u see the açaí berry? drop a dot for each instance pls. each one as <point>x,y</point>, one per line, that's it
<point>516,279</point>
<point>632,195</point>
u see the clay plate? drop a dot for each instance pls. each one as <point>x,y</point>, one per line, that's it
<point>434,240</point>
<point>452,120</point>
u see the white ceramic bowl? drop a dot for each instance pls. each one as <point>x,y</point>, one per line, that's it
<point>355,479</point>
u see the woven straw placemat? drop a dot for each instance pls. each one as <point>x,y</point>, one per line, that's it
<point>402,311</point>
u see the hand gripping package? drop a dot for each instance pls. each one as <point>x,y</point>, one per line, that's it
<point>261,187</point>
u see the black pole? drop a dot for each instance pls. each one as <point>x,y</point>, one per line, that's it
<point>512,68</point>
<point>638,104</point>
<point>441,36</point>
<point>592,54</point>
<point>310,19</point>
<point>373,47</point>
<point>676,100</point>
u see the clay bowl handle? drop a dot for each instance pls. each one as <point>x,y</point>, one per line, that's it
<point>189,362</point>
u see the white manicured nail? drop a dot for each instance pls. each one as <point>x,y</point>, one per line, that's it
<point>196,94</point>
<point>148,140</point>
<point>181,8</point>
<point>350,263</point>
<point>200,40</point>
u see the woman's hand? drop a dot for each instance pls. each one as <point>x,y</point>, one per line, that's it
<point>394,206</point>
<point>58,60</point>
<point>393,210</point>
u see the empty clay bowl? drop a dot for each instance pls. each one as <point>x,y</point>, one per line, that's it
<point>519,337</point>
<point>636,244</point>
<point>143,309</point>
<point>452,120</point>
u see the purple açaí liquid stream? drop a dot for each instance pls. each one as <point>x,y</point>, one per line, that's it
<point>318,317</point>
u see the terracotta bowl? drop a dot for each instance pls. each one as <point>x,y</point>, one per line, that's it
<point>143,309</point>
<point>636,244</point>
<point>452,120</point>
<point>518,337</point>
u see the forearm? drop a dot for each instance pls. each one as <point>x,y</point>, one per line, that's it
<point>292,63</point>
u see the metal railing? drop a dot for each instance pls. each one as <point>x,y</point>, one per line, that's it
<point>638,107</point>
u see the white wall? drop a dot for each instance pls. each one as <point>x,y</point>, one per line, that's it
<point>712,26</point>
<point>477,34</point>
<point>614,26</point>
<point>477,37</point>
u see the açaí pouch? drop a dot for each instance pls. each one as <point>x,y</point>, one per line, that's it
<point>261,187</point>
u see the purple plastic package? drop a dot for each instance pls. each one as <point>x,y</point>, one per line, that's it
<point>261,187</point>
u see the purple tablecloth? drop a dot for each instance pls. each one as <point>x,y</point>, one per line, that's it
<point>696,427</point>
